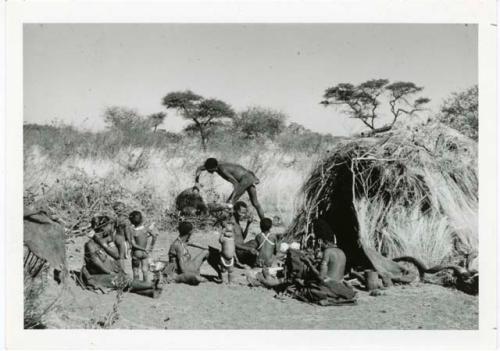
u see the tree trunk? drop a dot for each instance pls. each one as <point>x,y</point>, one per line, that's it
<point>376,131</point>
<point>203,139</point>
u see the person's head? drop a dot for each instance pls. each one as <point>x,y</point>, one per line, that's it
<point>211,164</point>
<point>240,209</point>
<point>118,206</point>
<point>185,229</point>
<point>323,231</point>
<point>135,218</point>
<point>266,224</point>
<point>228,229</point>
<point>103,224</point>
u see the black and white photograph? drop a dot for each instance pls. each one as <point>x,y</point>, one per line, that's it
<point>250,176</point>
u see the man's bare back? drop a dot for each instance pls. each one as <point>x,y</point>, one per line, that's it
<point>241,178</point>
<point>231,172</point>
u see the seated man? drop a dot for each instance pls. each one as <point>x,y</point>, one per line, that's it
<point>246,252</point>
<point>183,268</point>
<point>102,270</point>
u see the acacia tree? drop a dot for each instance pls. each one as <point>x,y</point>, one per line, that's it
<point>362,101</point>
<point>400,93</point>
<point>460,111</point>
<point>156,119</point>
<point>204,114</point>
<point>124,119</point>
<point>257,122</point>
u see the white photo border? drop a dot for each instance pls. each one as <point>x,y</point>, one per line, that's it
<point>482,13</point>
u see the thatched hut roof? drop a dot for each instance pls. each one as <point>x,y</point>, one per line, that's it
<point>427,168</point>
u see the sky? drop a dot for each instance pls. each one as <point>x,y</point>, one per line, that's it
<point>72,72</point>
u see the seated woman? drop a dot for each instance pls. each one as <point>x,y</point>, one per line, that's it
<point>102,270</point>
<point>182,267</point>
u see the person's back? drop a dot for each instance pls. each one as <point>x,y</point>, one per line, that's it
<point>333,264</point>
<point>267,242</point>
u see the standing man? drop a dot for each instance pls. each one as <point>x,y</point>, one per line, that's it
<point>241,178</point>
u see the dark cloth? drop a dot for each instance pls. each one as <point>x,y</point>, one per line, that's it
<point>245,257</point>
<point>329,293</point>
<point>104,282</point>
<point>45,238</point>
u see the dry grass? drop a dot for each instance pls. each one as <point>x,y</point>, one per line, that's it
<point>150,179</point>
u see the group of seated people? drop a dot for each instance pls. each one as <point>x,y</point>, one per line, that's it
<point>115,236</point>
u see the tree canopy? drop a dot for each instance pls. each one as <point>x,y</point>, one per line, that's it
<point>204,114</point>
<point>362,101</point>
<point>460,111</point>
<point>156,119</point>
<point>257,122</point>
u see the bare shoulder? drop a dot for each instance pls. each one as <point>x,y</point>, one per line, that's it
<point>333,251</point>
<point>231,166</point>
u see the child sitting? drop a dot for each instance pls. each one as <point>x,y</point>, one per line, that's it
<point>227,255</point>
<point>140,252</point>
<point>267,243</point>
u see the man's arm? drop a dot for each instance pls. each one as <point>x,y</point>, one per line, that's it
<point>198,173</point>
<point>245,232</point>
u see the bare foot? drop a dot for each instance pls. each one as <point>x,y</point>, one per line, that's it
<point>200,279</point>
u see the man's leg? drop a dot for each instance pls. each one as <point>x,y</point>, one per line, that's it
<point>145,270</point>
<point>238,191</point>
<point>198,260</point>
<point>252,194</point>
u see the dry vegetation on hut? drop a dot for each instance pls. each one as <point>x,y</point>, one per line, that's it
<point>411,191</point>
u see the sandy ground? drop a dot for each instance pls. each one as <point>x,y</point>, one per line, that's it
<point>214,306</point>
